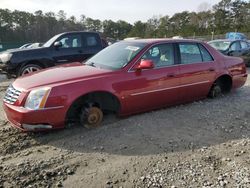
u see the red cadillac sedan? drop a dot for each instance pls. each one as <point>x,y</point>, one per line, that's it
<point>126,78</point>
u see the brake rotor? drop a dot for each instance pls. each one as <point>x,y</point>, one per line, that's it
<point>94,117</point>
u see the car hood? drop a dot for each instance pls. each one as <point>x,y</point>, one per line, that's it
<point>58,75</point>
<point>25,50</point>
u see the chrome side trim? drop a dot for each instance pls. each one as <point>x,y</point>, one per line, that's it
<point>34,127</point>
<point>51,108</point>
<point>62,61</point>
<point>240,75</point>
<point>165,89</point>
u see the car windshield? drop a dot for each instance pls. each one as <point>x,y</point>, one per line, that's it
<point>220,45</point>
<point>116,56</point>
<point>50,41</point>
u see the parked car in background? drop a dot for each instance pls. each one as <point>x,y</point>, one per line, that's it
<point>35,45</point>
<point>127,77</point>
<point>236,36</point>
<point>62,48</point>
<point>177,37</point>
<point>111,41</point>
<point>132,38</point>
<point>31,45</point>
<point>25,45</point>
<point>237,48</point>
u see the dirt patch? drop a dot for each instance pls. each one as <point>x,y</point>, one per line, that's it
<point>202,144</point>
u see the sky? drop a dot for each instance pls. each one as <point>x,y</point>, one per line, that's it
<point>128,10</point>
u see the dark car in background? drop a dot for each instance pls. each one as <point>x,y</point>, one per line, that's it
<point>25,45</point>
<point>237,48</point>
<point>31,45</point>
<point>60,49</point>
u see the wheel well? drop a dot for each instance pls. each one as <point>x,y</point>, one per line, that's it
<point>225,82</point>
<point>104,100</point>
<point>30,62</point>
<point>35,62</point>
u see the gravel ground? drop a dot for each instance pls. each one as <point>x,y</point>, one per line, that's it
<point>201,144</point>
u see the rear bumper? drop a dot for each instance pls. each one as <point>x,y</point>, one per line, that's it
<point>39,120</point>
<point>239,80</point>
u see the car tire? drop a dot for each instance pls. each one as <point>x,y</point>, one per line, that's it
<point>27,69</point>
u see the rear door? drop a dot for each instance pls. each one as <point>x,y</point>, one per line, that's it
<point>197,71</point>
<point>92,44</point>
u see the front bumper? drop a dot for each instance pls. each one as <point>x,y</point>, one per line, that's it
<point>3,67</point>
<point>8,68</point>
<point>39,120</point>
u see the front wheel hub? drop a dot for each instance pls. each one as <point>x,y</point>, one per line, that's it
<point>94,116</point>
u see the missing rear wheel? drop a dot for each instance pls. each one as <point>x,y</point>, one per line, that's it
<point>216,90</point>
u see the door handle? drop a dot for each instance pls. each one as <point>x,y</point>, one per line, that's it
<point>171,75</point>
<point>80,51</point>
<point>211,70</point>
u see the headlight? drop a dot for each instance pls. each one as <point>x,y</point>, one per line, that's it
<point>5,57</point>
<point>37,98</point>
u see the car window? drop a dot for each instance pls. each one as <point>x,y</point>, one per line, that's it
<point>244,45</point>
<point>220,45</point>
<point>155,52</point>
<point>51,41</point>
<point>71,41</point>
<point>162,55</point>
<point>235,46</point>
<point>206,56</point>
<point>190,53</point>
<point>91,40</point>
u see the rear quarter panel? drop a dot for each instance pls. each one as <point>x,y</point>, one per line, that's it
<point>236,68</point>
<point>232,66</point>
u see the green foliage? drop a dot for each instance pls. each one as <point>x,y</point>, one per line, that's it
<point>227,15</point>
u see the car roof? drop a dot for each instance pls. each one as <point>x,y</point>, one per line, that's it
<point>226,40</point>
<point>77,32</point>
<point>159,40</point>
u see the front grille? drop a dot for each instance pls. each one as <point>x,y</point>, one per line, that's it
<point>11,95</point>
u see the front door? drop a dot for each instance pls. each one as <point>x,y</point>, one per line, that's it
<point>153,88</point>
<point>71,49</point>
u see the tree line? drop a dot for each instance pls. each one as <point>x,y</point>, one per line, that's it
<point>227,15</point>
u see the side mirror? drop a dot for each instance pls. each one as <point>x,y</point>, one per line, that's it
<point>58,44</point>
<point>145,64</point>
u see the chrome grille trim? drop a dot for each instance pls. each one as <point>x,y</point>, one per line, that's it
<point>11,95</point>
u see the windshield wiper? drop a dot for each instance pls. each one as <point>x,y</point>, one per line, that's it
<point>92,64</point>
